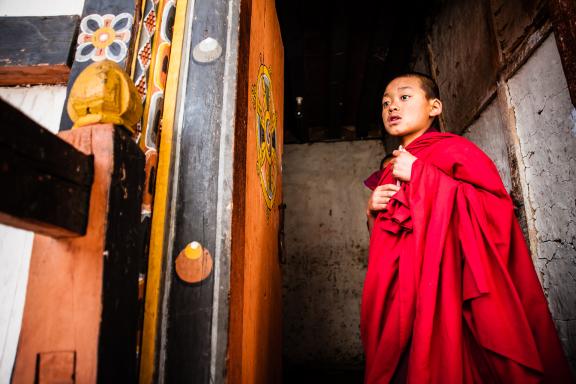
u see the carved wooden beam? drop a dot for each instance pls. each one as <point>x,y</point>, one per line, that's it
<point>107,32</point>
<point>37,50</point>
<point>45,181</point>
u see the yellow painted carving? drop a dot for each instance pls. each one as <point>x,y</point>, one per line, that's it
<point>266,122</point>
<point>104,93</point>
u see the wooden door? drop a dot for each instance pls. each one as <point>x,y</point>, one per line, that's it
<point>256,312</point>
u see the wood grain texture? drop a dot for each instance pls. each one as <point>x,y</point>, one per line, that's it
<point>82,292</point>
<point>46,180</point>
<point>37,50</point>
<point>255,342</point>
<point>463,91</point>
<point>188,341</point>
<point>564,21</point>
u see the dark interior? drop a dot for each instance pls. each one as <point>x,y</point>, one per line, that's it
<point>339,55</point>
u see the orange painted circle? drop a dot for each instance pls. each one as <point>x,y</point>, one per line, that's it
<point>103,37</point>
<point>194,263</point>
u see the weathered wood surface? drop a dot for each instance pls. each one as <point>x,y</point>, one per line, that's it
<point>564,21</point>
<point>458,24</point>
<point>514,21</point>
<point>195,326</point>
<point>37,50</point>
<point>46,181</point>
<point>82,294</point>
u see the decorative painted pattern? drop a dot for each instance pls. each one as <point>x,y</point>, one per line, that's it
<point>266,123</point>
<point>104,93</point>
<point>107,31</point>
<point>161,193</point>
<point>104,37</point>
<point>193,264</point>
<point>144,53</point>
<point>158,53</point>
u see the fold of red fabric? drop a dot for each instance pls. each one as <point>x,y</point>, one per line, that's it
<point>450,283</point>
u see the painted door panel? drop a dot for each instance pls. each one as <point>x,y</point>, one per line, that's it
<point>255,327</point>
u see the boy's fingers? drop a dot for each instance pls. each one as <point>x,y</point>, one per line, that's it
<point>387,187</point>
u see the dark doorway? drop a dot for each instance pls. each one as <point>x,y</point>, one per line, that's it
<point>339,55</point>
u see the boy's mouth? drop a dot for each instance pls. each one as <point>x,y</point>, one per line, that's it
<point>394,118</point>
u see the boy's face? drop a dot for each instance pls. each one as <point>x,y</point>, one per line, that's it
<point>406,111</point>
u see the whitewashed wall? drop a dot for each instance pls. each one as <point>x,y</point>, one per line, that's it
<point>44,105</point>
<point>326,249</point>
<point>546,127</point>
<point>40,7</point>
<point>488,132</point>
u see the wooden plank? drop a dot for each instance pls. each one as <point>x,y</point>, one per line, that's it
<point>235,349</point>
<point>118,338</point>
<point>149,359</point>
<point>195,321</point>
<point>82,292</point>
<point>514,22</point>
<point>107,32</point>
<point>261,287</point>
<point>564,21</point>
<point>188,333</point>
<point>46,180</point>
<point>457,24</point>
<point>37,50</point>
<point>56,367</point>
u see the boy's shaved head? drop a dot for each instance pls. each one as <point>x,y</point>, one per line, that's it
<point>428,84</point>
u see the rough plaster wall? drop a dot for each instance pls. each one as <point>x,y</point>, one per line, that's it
<point>546,126</point>
<point>326,249</point>
<point>488,133</point>
<point>44,105</point>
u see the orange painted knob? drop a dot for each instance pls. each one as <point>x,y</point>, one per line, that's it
<point>193,263</point>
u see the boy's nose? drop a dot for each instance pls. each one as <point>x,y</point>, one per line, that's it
<point>393,107</point>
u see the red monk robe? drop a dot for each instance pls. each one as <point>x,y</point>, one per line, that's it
<point>451,294</point>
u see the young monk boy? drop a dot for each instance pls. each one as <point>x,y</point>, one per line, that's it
<point>451,294</point>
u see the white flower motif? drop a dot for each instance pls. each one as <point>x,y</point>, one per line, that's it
<point>104,37</point>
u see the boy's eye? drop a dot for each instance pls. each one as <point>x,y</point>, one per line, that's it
<point>404,97</point>
<point>385,104</point>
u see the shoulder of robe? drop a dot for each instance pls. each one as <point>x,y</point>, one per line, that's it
<point>462,159</point>
<point>460,151</point>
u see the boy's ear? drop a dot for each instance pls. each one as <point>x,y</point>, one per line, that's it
<point>436,107</point>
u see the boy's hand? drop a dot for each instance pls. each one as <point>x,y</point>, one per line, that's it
<point>402,164</point>
<point>380,197</point>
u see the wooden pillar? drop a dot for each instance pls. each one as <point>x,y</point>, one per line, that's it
<point>81,313</point>
<point>187,311</point>
<point>82,297</point>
